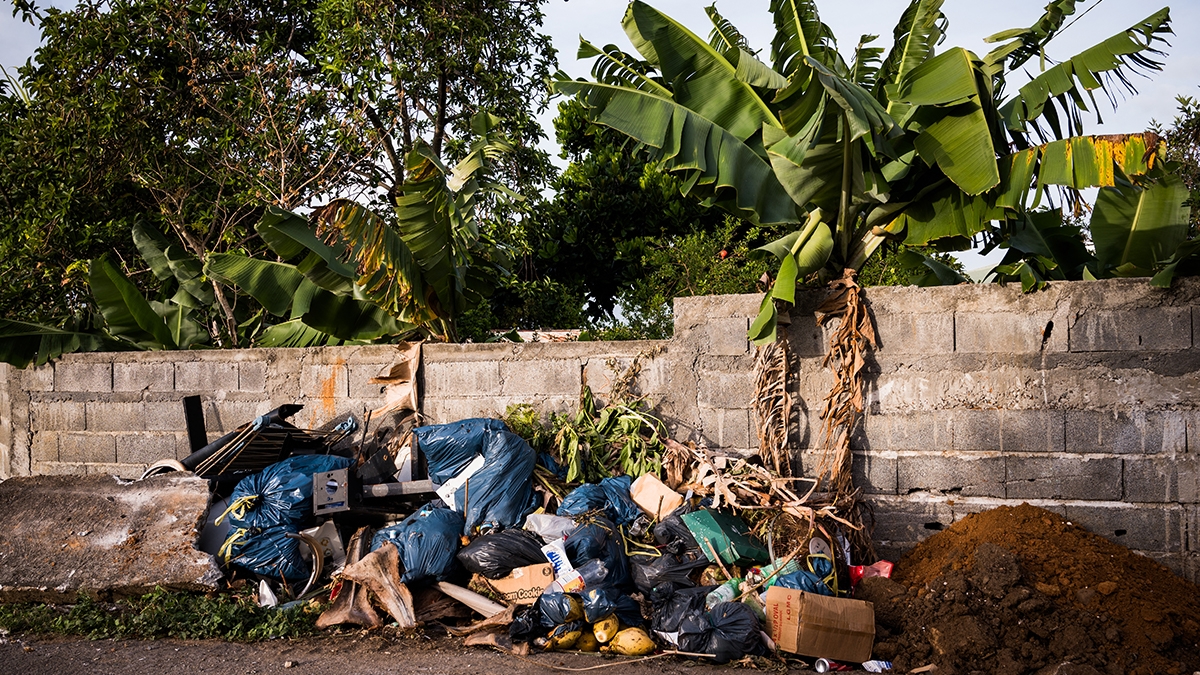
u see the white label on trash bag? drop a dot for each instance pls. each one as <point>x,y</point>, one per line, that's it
<point>672,638</point>
<point>446,492</point>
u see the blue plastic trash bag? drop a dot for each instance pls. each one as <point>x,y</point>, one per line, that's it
<point>500,494</point>
<point>268,552</point>
<point>611,494</point>
<point>449,448</point>
<point>810,581</point>
<point>547,460</point>
<point>427,541</point>
<point>280,494</point>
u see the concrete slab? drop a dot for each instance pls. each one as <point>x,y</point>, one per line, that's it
<point>62,535</point>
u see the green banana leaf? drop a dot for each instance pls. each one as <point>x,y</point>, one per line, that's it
<point>352,320</point>
<point>799,34</point>
<point>272,284</point>
<point>128,314</point>
<point>708,156</point>
<point>921,27</point>
<point>23,343</point>
<point>295,333</point>
<point>713,89</point>
<point>1134,229</point>
<point>168,260</point>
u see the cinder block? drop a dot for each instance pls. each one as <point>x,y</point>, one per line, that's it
<point>205,376</point>
<point>541,377</point>
<point>1158,480</point>
<point>325,381</point>
<point>116,416</point>
<point>1156,529</point>
<point>145,448</point>
<point>57,415</point>
<point>1144,329</point>
<point>35,378</point>
<point>360,373</point>
<point>1193,528</point>
<point>912,519</point>
<point>719,389</point>
<point>1065,477</point>
<point>166,415</point>
<point>927,431</point>
<point>1187,476</point>
<point>976,430</point>
<point>951,473</point>
<point>44,446</point>
<point>1007,333</point>
<point>126,471</point>
<point>1116,432</point>
<point>725,337</point>
<point>143,376</point>
<point>1176,562</point>
<point>874,473</point>
<point>82,377</point>
<point>461,378</point>
<point>85,447</point>
<point>905,333</point>
<point>727,428</point>
<point>225,416</point>
<point>1032,431</point>
<point>58,469</point>
<point>252,376</point>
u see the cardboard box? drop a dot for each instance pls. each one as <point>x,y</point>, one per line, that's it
<point>820,626</point>
<point>654,497</point>
<point>728,535</point>
<point>525,584</point>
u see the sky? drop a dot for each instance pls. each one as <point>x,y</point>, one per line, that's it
<point>970,21</point>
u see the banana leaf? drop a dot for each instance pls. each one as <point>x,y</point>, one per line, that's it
<point>23,343</point>
<point>1134,229</point>
<point>128,314</point>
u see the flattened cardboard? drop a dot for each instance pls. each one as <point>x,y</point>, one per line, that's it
<point>654,497</point>
<point>841,629</point>
<point>525,584</point>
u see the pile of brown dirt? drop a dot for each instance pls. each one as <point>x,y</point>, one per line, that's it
<point>1017,590</point>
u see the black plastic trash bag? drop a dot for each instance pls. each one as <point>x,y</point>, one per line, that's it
<point>673,534</point>
<point>610,494</point>
<point>600,540</point>
<point>281,494</point>
<point>650,572</point>
<point>559,608</point>
<point>427,541</point>
<point>670,613</point>
<point>527,624</point>
<point>449,448</point>
<point>270,553</point>
<point>735,632</point>
<point>500,494</point>
<point>600,602</point>
<point>497,555</point>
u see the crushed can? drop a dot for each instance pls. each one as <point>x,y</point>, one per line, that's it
<point>827,666</point>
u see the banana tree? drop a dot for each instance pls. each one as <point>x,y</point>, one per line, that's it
<point>431,261</point>
<point>914,145</point>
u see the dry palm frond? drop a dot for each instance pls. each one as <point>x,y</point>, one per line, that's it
<point>773,405</point>
<point>846,358</point>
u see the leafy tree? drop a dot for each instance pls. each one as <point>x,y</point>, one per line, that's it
<point>196,117</point>
<point>914,145</point>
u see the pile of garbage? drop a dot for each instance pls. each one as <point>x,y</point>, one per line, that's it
<point>620,566</point>
<point>1017,589</point>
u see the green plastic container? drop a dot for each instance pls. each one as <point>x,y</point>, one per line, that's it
<point>729,535</point>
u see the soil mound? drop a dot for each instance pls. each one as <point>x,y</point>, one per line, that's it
<point>1019,590</point>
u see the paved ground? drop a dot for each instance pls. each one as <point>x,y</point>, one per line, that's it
<point>340,655</point>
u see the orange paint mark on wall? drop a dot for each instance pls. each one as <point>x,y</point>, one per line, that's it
<point>329,390</point>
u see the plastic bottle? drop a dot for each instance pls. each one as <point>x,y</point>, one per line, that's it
<point>726,592</point>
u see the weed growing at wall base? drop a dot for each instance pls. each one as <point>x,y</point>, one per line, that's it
<point>164,614</point>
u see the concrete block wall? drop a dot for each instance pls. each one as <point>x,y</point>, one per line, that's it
<point>1082,398</point>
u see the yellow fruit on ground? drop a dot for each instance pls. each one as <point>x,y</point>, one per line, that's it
<point>606,628</point>
<point>587,641</point>
<point>631,642</point>
<point>562,638</point>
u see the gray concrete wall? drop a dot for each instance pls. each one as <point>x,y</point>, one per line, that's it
<point>1081,398</point>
